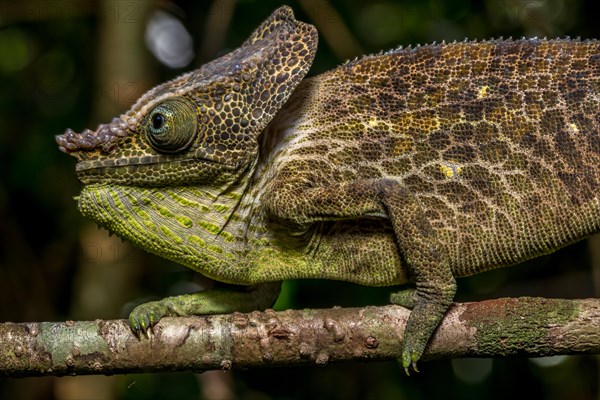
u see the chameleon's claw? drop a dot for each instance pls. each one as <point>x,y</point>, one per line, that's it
<point>409,362</point>
<point>144,323</point>
<point>414,367</point>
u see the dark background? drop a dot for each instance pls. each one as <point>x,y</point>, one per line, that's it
<point>74,64</point>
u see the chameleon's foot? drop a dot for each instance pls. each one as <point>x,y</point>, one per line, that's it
<point>416,336</point>
<point>407,298</point>
<point>214,301</point>
<point>423,321</point>
<point>146,315</point>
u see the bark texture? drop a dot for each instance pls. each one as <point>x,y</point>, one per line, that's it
<point>508,327</point>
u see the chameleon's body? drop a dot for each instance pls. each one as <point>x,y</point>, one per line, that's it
<point>420,164</point>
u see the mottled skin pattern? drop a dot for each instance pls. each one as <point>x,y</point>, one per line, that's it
<point>416,165</point>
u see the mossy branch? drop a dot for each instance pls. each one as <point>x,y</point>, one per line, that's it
<point>508,327</point>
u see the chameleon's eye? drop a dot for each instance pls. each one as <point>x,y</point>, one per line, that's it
<point>158,120</point>
<point>171,126</point>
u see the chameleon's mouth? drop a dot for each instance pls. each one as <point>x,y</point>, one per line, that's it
<point>151,171</point>
<point>139,162</point>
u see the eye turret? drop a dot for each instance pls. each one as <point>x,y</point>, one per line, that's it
<point>172,125</point>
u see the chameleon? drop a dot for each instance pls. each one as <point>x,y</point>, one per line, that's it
<point>417,165</point>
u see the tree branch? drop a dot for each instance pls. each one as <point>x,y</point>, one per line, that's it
<point>531,327</point>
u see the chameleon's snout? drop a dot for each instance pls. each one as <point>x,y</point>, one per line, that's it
<point>102,139</point>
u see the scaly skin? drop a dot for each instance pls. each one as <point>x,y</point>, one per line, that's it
<point>417,165</point>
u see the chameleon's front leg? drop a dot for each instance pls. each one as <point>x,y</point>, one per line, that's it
<point>212,301</point>
<point>425,257</point>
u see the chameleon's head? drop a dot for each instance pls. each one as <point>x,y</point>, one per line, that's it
<point>203,124</point>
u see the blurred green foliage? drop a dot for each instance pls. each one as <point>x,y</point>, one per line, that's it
<point>50,64</point>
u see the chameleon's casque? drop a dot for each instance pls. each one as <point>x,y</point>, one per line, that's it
<point>420,164</point>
